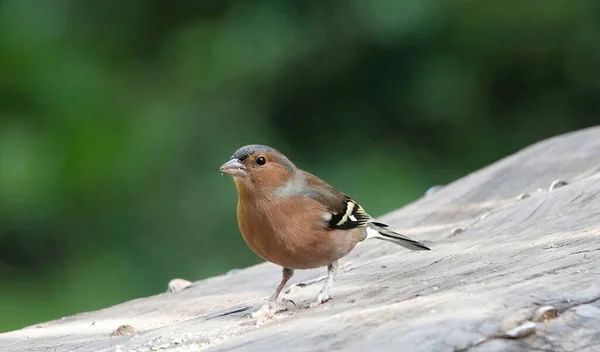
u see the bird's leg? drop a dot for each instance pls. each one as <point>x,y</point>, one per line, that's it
<point>324,295</point>
<point>300,285</point>
<point>286,276</point>
<point>269,308</point>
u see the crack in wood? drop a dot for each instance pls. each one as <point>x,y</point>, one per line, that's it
<point>504,336</point>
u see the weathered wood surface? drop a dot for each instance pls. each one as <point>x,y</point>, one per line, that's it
<point>514,256</point>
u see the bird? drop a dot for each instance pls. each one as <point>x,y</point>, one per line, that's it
<point>294,219</point>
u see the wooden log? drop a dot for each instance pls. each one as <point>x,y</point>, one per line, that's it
<point>514,266</point>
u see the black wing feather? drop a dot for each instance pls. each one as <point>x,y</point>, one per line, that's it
<point>352,217</point>
<point>380,224</point>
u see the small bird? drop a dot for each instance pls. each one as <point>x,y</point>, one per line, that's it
<point>294,219</point>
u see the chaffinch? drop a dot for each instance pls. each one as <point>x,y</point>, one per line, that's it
<point>294,219</point>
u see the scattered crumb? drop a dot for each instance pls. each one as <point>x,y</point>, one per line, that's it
<point>177,285</point>
<point>545,313</point>
<point>556,184</point>
<point>457,231</point>
<point>433,189</point>
<point>123,330</point>
<point>383,266</point>
<point>526,329</point>
<point>523,196</point>
<point>523,330</point>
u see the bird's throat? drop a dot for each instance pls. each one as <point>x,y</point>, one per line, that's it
<point>239,185</point>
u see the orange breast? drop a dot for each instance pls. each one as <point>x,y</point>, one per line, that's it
<point>280,233</point>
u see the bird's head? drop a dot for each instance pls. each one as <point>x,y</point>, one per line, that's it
<point>258,167</point>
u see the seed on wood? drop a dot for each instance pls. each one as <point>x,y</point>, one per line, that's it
<point>123,330</point>
<point>556,183</point>
<point>177,285</point>
<point>545,313</point>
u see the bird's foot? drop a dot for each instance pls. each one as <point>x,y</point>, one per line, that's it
<point>264,313</point>
<point>322,297</point>
<point>267,311</point>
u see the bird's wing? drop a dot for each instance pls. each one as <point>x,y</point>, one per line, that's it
<point>344,213</point>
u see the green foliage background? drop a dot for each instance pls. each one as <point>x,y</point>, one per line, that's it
<point>115,115</point>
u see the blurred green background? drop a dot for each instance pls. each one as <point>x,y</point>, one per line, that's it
<point>115,116</point>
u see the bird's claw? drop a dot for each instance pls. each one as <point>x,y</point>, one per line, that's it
<point>264,313</point>
<point>268,309</point>
<point>288,303</point>
<point>322,297</point>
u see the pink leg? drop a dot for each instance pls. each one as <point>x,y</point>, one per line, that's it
<point>324,295</point>
<point>269,308</point>
<point>287,275</point>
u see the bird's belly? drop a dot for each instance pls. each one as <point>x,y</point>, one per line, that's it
<point>296,261</point>
<point>302,253</point>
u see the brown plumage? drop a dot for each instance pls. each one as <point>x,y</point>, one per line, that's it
<point>294,219</point>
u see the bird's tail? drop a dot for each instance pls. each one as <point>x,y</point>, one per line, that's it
<point>380,231</point>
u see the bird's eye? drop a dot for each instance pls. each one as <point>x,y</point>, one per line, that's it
<point>261,160</point>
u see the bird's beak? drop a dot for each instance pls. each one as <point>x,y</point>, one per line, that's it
<point>234,168</point>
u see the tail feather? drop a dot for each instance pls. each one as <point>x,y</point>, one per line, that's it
<point>376,230</point>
